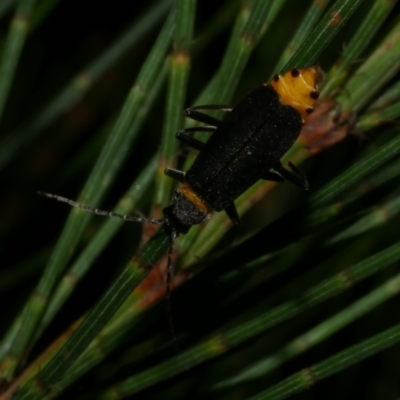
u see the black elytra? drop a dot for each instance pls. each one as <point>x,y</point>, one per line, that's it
<point>250,141</point>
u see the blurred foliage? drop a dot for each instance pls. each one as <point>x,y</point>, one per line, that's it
<point>256,304</point>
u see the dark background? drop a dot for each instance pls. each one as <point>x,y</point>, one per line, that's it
<point>67,40</point>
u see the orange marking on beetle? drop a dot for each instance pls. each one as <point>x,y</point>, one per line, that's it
<point>199,203</point>
<point>298,88</point>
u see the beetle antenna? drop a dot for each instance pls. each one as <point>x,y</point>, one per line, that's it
<point>172,238</point>
<point>129,218</point>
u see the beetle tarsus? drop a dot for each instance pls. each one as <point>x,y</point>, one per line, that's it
<point>189,140</point>
<point>232,213</point>
<point>272,176</point>
<point>220,107</point>
<point>296,177</point>
<point>175,174</point>
<point>201,117</point>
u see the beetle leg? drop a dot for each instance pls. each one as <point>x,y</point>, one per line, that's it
<point>296,177</point>
<point>221,107</point>
<point>233,214</point>
<point>201,117</point>
<point>272,176</point>
<point>175,174</point>
<point>207,128</point>
<point>303,178</point>
<point>189,140</point>
<point>193,113</point>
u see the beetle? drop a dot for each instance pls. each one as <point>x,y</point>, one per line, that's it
<point>243,148</point>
